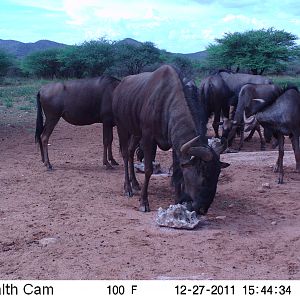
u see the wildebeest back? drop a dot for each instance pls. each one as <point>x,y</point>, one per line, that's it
<point>154,109</point>
<point>80,102</point>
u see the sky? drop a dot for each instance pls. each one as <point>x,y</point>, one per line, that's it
<point>179,26</point>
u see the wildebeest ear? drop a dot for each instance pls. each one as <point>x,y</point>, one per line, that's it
<point>201,152</point>
<point>224,165</point>
<point>189,163</point>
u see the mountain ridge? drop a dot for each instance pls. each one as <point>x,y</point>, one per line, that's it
<point>20,49</point>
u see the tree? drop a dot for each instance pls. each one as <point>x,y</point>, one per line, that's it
<point>72,64</point>
<point>89,59</point>
<point>43,63</point>
<point>6,61</point>
<point>254,50</point>
<point>132,59</point>
<point>184,64</point>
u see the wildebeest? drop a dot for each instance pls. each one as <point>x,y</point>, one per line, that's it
<point>235,81</point>
<point>156,108</point>
<point>220,93</point>
<point>215,95</point>
<point>282,118</point>
<point>267,92</point>
<point>79,102</point>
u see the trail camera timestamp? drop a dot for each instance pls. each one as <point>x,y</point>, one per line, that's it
<point>233,290</point>
<point>203,289</point>
<point>267,290</point>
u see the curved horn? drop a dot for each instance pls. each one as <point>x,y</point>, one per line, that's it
<point>185,147</point>
<point>259,100</point>
<point>201,152</point>
<point>249,120</point>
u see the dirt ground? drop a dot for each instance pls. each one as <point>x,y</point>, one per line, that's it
<point>75,223</point>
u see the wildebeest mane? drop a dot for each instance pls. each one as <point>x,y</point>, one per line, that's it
<point>198,111</point>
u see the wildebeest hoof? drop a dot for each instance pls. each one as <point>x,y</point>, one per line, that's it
<point>263,148</point>
<point>113,162</point>
<point>108,166</point>
<point>144,208</point>
<point>49,168</point>
<point>280,180</point>
<point>247,140</point>
<point>128,193</point>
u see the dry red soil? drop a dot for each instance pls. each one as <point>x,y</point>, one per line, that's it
<point>75,223</point>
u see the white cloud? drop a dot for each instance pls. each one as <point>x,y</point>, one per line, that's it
<point>80,12</point>
<point>244,19</point>
<point>208,34</point>
<point>295,21</point>
<point>51,5</point>
<point>178,26</point>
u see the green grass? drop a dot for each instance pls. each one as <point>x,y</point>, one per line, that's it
<point>19,93</point>
<point>283,80</point>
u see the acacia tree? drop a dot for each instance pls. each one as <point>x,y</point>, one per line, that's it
<point>255,50</point>
<point>89,59</point>
<point>43,63</point>
<point>132,59</point>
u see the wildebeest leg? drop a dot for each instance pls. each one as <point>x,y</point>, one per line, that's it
<point>109,148</point>
<point>249,137</point>
<point>231,135</point>
<point>216,123</point>
<point>134,140</point>
<point>144,203</point>
<point>241,137</point>
<point>41,149</point>
<point>296,148</point>
<point>107,142</point>
<point>124,142</point>
<point>177,178</point>
<point>48,129</point>
<point>279,163</point>
<point>262,139</point>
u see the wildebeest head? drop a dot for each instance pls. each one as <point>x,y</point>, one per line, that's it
<point>201,168</point>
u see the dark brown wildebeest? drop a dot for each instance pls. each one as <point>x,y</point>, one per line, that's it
<point>156,108</point>
<point>282,118</point>
<point>220,93</point>
<point>215,95</point>
<point>79,102</point>
<point>267,92</point>
<point>235,81</point>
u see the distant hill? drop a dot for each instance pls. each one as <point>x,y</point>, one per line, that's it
<point>129,41</point>
<point>21,50</point>
<point>194,56</point>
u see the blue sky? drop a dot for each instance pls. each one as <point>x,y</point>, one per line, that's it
<point>174,25</point>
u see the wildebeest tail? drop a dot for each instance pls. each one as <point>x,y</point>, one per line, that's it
<point>205,94</point>
<point>39,120</point>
